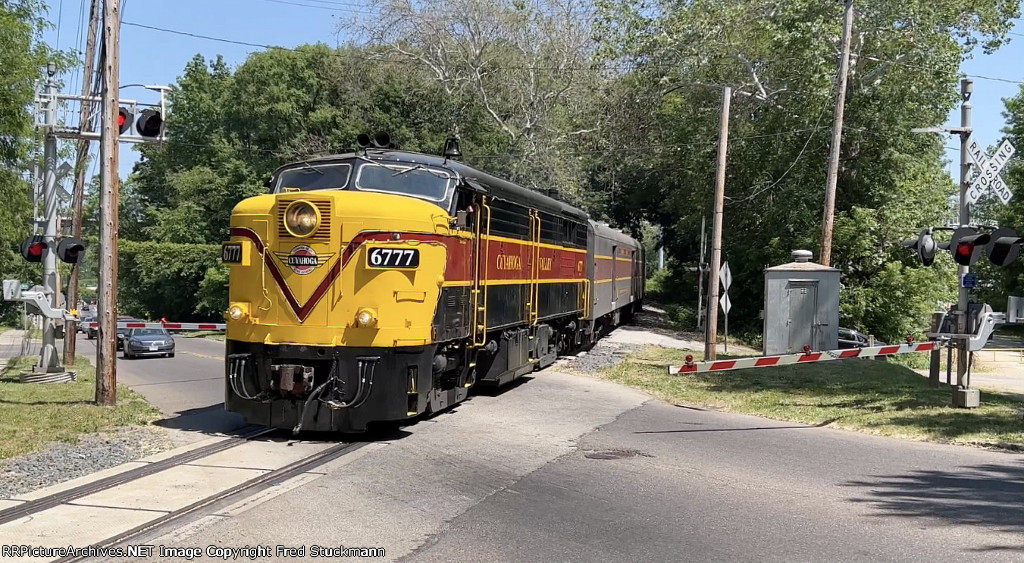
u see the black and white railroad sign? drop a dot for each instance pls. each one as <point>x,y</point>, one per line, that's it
<point>989,167</point>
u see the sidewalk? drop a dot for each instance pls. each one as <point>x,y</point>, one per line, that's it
<point>11,346</point>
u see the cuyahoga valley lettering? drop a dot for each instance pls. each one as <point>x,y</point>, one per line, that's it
<point>510,262</point>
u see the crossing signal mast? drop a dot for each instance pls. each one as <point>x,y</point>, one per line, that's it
<point>63,116</point>
<point>979,176</point>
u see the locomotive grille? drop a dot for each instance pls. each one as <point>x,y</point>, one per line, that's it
<point>323,230</point>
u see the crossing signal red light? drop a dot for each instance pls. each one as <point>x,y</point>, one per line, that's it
<point>150,123</point>
<point>71,250</point>
<point>34,248</point>
<point>124,120</point>
<point>966,245</point>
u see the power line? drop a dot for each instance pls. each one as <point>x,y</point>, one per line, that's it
<point>199,36</point>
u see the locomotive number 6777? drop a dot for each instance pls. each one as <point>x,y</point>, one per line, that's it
<point>382,284</point>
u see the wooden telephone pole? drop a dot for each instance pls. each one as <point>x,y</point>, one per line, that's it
<point>837,134</point>
<point>81,168</point>
<point>106,344</point>
<point>711,330</point>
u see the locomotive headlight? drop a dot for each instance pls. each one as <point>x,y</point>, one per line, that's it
<point>301,218</point>
<point>366,317</point>
<point>238,311</point>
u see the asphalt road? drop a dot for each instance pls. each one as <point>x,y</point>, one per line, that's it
<point>188,388</point>
<point>566,468</point>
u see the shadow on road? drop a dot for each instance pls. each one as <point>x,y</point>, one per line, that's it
<point>991,495</point>
<point>207,420</point>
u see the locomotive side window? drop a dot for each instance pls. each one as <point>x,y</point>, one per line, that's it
<point>309,177</point>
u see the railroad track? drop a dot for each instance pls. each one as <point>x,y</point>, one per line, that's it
<point>180,516</point>
<point>38,505</point>
<point>242,490</point>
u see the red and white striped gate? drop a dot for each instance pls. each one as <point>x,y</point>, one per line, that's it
<point>806,357</point>
<point>168,326</point>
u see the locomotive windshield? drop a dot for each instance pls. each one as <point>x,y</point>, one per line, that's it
<point>320,177</point>
<point>415,180</point>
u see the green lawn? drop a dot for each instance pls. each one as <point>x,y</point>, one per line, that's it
<point>866,395</point>
<point>32,415</point>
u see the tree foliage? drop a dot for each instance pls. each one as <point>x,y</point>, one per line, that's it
<point>22,60</point>
<point>613,103</point>
<point>779,58</point>
<point>158,279</point>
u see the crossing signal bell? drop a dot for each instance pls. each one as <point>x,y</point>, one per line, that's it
<point>966,245</point>
<point>71,250</point>
<point>1004,246</point>
<point>34,248</point>
<point>925,246</point>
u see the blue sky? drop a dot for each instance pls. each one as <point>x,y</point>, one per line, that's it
<point>153,57</point>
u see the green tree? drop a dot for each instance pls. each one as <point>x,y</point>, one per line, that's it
<point>23,56</point>
<point>779,58</point>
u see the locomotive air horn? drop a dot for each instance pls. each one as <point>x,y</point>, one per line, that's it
<point>382,140</point>
<point>363,140</point>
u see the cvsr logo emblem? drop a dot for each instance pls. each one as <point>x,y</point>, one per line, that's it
<point>302,259</point>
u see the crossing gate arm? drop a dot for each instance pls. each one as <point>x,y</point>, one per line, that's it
<point>804,358</point>
<point>168,326</point>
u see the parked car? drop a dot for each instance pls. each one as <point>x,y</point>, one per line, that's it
<point>83,325</point>
<point>121,332</point>
<point>849,338</point>
<point>148,342</point>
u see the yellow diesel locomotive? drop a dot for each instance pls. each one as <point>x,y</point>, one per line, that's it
<point>381,284</point>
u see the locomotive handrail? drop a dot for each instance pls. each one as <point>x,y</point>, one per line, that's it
<point>480,320</point>
<point>534,266</point>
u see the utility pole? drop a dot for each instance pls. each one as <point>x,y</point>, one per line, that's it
<point>962,356</point>
<point>48,360</point>
<point>837,134</point>
<point>106,347</point>
<point>81,168</point>
<point>700,273</point>
<point>711,330</point>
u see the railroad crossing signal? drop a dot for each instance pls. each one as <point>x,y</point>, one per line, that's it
<point>34,248</point>
<point>966,245</point>
<point>71,250</point>
<point>989,167</point>
<point>1004,246</point>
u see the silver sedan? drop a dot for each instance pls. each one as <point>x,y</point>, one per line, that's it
<point>148,342</point>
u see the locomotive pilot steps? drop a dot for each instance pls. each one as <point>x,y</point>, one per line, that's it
<point>383,284</point>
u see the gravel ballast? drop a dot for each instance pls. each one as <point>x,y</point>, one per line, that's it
<point>61,461</point>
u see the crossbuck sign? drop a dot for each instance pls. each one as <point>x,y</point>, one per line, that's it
<point>989,167</point>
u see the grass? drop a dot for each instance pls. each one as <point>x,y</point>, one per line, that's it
<point>208,334</point>
<point>33,415</point>
<point>865,395</point>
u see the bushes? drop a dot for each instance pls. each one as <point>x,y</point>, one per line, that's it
<point>162,279</point>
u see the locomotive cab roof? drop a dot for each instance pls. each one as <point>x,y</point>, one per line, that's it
<point>467,176</point>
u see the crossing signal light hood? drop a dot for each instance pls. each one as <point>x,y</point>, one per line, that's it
<point>150,123</point>
<point>124,120</point>
<point>966,245</point>
<point>34,248</point>
<point>71,250</point>
<point>1004,246</point>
